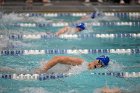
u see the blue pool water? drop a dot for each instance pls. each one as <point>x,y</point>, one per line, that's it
<point>84,82</point>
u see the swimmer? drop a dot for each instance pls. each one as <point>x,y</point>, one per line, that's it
<point>101,61</point>
<point>110,90</point>
<point>62,64</point>
<point>91,16</point>
<point>71,30</point>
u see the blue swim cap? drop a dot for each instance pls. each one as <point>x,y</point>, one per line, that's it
<point>81,26</point>
<point>104,59</point>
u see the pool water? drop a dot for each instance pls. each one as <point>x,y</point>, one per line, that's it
<point>84,82</point>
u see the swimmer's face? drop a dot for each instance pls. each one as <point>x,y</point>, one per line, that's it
<point>79,30</point>
<point>94,64</point>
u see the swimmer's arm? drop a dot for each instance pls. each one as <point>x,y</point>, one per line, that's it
<point>62,31</point>
<point>87,17</point>
<point>46,67</point>
<point>61,60</point>
<point>84,18</point>
<point>70,60</point>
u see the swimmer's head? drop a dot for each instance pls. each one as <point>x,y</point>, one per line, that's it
<point>104,60</point>
<point>81,26</point>
<point>95,14</point>
<point>101,61</point>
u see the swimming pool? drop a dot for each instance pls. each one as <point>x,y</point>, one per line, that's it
<point>25,45</point>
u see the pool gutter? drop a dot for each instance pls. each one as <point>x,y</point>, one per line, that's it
<point>83,7</point>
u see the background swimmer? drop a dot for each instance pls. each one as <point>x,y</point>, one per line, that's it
<point>110,90</point>
<point>98,16</point>
<point>91,16</point>
<point>71,30</point>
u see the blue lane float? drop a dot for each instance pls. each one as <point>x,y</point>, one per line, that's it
<point>74,36</point>
<point>116,74</point>
<point>14,36</point>
<point>12,52</point>
<point>61,75</point>
<point>120,74</point>
<point>33,76</point>
<point>67,51</point>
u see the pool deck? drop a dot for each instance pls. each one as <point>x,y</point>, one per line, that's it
<point>68,7</point>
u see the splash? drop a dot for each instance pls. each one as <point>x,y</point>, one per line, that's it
<point>38,20</point>
<point>14,17</point>
<point>3,43</point>
<point>58,68</point>
<point>78,69</point>
<point>6,43</point>
<point>115,66</point>
<point>102,17</point>
<point>64,68</point>
<point>98,90</point>
<point>33,90</point>
<point>112,67</point>
<point>19,44</point>
<point>10,44</point>
<point>71,91</point>
<point>107,18</point>
<point>11,17</point>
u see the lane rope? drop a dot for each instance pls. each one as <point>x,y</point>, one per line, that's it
<point>61,75</point>
<point>73,36</point>
<point>62,24</point>
<point>118,14</point>
<point>67,51</point>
